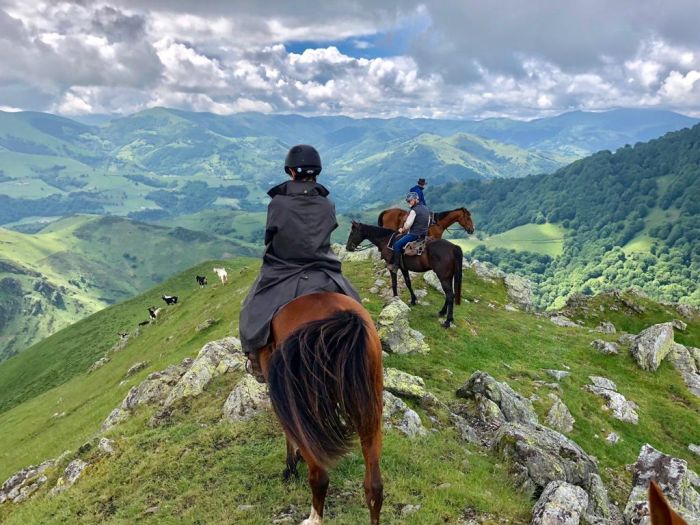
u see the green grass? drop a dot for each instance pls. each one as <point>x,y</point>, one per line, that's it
<point>200,470</point>
<point>545,239</point>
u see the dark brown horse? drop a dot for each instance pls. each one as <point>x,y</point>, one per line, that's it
<point>441,256</point>
<point>325,376</point>
<point>394,218</point>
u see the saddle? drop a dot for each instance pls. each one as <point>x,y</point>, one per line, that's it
<point>416,247</point>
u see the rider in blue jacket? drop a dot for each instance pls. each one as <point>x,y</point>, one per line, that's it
<point>418,190</point>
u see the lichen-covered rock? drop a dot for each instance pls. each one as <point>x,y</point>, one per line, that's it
<point>116,416</point>
<point>679,325</point>
<point>626,339</point>
<point>214,359</point>
<point>621,408</point>
<point>21,485</point>
<point>98,364</point>
<point>559,418</point>
<point>695,449</point>
<point>464,429</point>
<point>403,384</point>
<point>368,254</point>
<point>605,347</point>
<point>672,475</point>
<point>136,367</point>
<point>519,290</point>
<point>563,321</point>
<point>397,414</point>
<point>106,445</point>
<point>73,471</point>
<point>207,323</point>
<point>395,333</point>
<point>606,327</point>
<point>558,374</point>
<point>613,438</point>
<point>496,401</point>
<point>541,455</point>
<point>560,504</point>
<point>652,345</point>
<point>246,400</point>
<point>688,311</point>
<point>684,359</point>
<point>487,272</point>
<point>432,280</point>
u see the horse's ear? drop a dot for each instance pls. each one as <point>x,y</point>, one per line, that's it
<point>659,510</point>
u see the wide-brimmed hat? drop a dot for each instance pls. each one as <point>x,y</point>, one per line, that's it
<point>421,181</point>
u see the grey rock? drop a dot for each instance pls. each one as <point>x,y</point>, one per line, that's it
<point>214,359</point>
<point>73,471</point>
<point>605,347</point>
<point>395,333</point>
<point>98,364</point>
<point>136,367</point>
<point>695,449</point>
<point>464,429</point>
<point>496,401</point>
<point>407,510</point>
<point>684,359</point>
<point>486,271</point>
<point>560,504</point>
<point>116,416</point>
<point>24,483</point>
<point>421,293</point>
<point>397,414</point>
<point>613,438</point>
<point>679,325</point>
<point>652,345</point>
<point>519,291</point>
<point>672,475</point>
<point>688,311</point>
<point>207,323</point>
<point>559,418</point>
<point>510,308</point>
<point>106,445</point>
<point>431,279</point>
<point>621,408</point>
<point>558,374</point>
<point>563,321</point>
<point>404,385</point>
<point>246,400</point>
<point>541,455</point>
<point>626,339</point>
<point>606,327</point>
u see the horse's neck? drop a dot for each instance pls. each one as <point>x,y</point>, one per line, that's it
<point>378,239</point>
<point>449,219</point>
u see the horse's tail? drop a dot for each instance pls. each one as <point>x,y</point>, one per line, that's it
<point>458,274</point>
<point>380,220</point>
<point>322,385</point>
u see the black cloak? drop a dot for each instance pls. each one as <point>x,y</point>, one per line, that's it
<point>298,259</point>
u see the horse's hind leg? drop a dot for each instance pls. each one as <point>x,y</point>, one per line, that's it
<point>374,486</point>
<point>449,303</point>
<point>394,284</point>
<point>293,458</point>
<point>407,280</point>
<point>318,479</point>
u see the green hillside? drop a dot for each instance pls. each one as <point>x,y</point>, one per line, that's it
<point>160,164</point>
<point>198,469</point>
<point>632,218</point>
<point>543,239</point>
<point>78,265</point>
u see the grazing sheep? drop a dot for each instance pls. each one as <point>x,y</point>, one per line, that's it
<point>153,312</point>
<point>223,274</point>
<point>170,299</point>
<point>202,280</point>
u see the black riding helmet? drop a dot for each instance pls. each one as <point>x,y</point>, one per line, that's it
<point>304,160</point>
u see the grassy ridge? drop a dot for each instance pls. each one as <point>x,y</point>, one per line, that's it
<point>545,239</point>
<point>199,470</point>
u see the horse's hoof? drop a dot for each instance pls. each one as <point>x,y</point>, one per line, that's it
<point>413,303</point>
<point>290,475</point>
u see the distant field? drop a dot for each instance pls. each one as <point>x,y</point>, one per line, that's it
<point>545,239</point>
<point>642,242</point>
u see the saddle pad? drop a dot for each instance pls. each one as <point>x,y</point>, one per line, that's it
<point>415,247</point>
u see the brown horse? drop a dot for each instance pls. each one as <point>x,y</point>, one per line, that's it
<point>394,218</point>
<point>660,511</point>
<point>325,376</point>
<point>441,256</point>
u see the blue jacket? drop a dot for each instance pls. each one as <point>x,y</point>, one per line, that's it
<point>421,198</point>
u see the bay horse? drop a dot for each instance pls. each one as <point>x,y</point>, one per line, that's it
<point>660,511</point>
<point>394,218</point>
<point>325,377</point>
<point>441,256</point>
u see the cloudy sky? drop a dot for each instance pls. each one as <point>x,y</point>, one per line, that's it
<point>447,59</point>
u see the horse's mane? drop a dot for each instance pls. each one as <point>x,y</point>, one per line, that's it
<point>439,215</point>
<point>377,230</point>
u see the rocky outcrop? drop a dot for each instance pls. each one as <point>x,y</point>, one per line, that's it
<point>73,471</point>
<point>558,374</point>
<point>622,409</point>
<point>395,333</point>
<point>486,271</point>
<point>406,385</point>
<point>559,418</point>
<point>397,414</point>
<point>368,254</point>
<point>98,364</point>
<point>688,311</point>
<point>496,402</point>
<point>431,279</point>
<point>606,327</point>
<point>686,359</point>
<point>652,345</point>
<point>214,359</point>
<point>560,504</point>
<point>563,321</point>
<point>541,455</point>
<point>246,400</point>
<point>136,367</point>
<point>21,485</point>
<point>519,291</point>
<point>106,446</point>
<point>605,347</point>
<point>672,475</point>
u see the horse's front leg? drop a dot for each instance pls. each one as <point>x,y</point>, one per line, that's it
<point>318,479</point>
<point>407,280</point>
<point>394,283</point>
<point>293,458</point>
<point>374,486</point>
<point>449,303</point>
